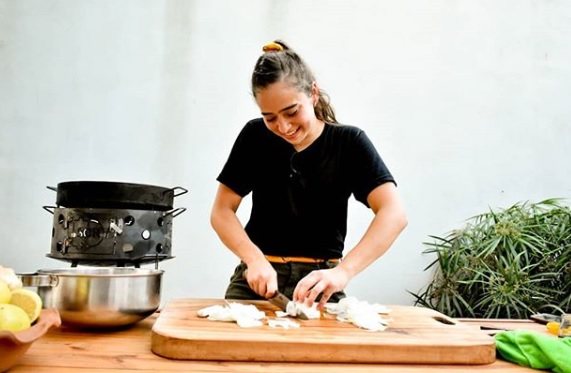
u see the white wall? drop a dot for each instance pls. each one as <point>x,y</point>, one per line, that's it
<point>467,102</point>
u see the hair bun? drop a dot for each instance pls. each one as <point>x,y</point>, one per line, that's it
<point>272,47</point>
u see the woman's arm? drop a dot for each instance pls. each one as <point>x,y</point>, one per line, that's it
<point>261,276</point>
<point>388,222</point>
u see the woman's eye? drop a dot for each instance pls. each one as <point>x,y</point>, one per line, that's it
<point>292,114</point>
<point>269,120</point>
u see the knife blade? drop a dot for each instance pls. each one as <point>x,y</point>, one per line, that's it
<point>282,302</point>
<point>285,304</point>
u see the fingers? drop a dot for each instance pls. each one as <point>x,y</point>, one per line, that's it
<point>263,281</point>
<point>314,292</point>
<point>324,282</point>
<point>301,290</point>
<point>309,288</point>
<point>271,288</point>
<point>324,298</point>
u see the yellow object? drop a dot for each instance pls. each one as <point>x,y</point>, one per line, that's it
<point>29,301</point>
<point>298,259</point>
<point>13,318</point>
<point>272,47</point>
<point>553,327</point>
<point>5,293</point>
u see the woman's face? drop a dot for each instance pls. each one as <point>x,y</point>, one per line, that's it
<point>290,113</point>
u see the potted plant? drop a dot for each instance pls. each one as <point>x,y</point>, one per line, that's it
<point>508,263</point>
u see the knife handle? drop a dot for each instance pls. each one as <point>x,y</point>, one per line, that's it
<point>277,292</point>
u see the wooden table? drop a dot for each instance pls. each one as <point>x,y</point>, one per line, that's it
<point>66,350</point>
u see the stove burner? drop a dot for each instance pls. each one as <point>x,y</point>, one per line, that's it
<point>117,233</point>
<point>104,237</point>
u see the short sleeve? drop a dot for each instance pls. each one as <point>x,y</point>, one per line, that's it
<point>237,171</point>
<point>368,168</point>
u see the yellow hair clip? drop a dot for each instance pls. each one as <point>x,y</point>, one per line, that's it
<point>272,47</point>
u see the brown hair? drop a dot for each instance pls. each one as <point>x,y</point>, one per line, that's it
<point>284,63</point>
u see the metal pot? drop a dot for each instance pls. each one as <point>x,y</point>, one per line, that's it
<point>107,194</point>
<point>98,297</point>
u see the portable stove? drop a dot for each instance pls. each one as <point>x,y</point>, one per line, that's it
<point>103,223</point>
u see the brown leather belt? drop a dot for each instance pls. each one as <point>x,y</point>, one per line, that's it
<point>298,259</point>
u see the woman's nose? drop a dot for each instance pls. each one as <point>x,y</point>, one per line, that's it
<point>283,125</point>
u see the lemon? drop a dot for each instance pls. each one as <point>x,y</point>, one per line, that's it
<point>553,327</point>
<point>29,301</point>
<point>13,318</point>
<point>5,293</point>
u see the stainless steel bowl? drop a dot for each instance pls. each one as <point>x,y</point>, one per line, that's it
<point>98,297</point>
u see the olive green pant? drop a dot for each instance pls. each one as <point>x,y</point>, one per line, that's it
<point>289,275</point>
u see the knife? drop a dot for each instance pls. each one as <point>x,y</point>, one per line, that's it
<point>282,302</point>
<point>544,318</point>
<point>285,304</point>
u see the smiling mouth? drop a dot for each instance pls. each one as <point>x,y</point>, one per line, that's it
<point>291,133</point>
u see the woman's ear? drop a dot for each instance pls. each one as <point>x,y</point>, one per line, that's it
<point>314,93</point>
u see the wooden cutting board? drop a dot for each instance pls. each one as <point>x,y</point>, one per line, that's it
<point>415,335</point>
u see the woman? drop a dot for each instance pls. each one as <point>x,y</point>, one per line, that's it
<point>301,167</point>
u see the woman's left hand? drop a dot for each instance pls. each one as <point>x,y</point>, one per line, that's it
<point>324,281</point>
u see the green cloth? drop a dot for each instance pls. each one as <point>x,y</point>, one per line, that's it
<point>535,350</point>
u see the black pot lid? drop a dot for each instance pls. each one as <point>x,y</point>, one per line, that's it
<point>107,194</point>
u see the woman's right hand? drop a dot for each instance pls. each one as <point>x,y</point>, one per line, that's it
<point>260,274</point>
<point>262,278</point>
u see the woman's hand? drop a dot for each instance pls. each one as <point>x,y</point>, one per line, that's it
<point>260,274</point>
<point>262,278</point>
<point>388,222</point>
<point>324,281</point>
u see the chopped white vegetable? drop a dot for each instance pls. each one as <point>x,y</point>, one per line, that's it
<point>359,313</point>
<point>245,315</point>
<point>218,312</point>
<point>295,309</point>
<point>10,278</point>
<point>249,323</point>
<point>281,314</point>
<point>282,322</point>
<point>379,308</point>
<point>311,312</point>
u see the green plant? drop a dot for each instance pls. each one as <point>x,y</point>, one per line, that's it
<point>508,263</point>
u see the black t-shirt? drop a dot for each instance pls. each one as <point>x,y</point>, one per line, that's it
<point>300,199</point>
